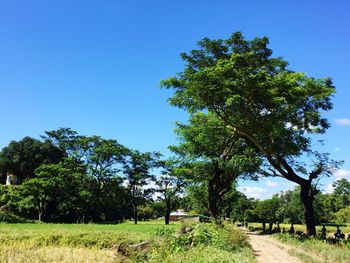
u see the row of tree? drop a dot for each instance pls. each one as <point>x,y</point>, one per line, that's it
<point>287,207</point>
<point>67,177</point>
<point>90,185</point>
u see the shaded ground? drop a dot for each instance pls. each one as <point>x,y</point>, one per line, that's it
<point>269,250</point>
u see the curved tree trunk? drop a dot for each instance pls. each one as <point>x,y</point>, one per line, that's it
<point>307,198</point>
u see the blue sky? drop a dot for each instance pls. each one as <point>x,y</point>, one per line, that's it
<point>95,66</point>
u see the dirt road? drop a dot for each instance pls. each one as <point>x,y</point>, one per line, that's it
<point>269,250</point>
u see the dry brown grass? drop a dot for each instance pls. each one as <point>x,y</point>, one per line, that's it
<point>19,254</point>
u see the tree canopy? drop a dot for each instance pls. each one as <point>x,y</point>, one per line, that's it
<point>257,98</point>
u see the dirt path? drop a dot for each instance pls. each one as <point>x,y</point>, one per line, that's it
<point>269,250</point>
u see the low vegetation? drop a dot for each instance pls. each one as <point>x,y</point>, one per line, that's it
<point>315,250</point>
<point>204,243</point>
<point>100,243</point>
<point>8,217</point>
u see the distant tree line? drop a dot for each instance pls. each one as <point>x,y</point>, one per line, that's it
<point>286,207</point>
<point>67,177</point>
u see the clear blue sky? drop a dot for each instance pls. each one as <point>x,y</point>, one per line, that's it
<point>95,66</point>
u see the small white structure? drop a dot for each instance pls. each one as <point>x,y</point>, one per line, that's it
<point>11,179</point>
<point>177,215</point>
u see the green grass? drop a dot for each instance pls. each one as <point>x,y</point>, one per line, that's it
<point>77,235</point>
<point>315,250</point>
<point>99,243</point>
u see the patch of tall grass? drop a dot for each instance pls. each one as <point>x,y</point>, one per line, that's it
<point>204,243</point>
<point>317,249</point>
<point>21,253</point>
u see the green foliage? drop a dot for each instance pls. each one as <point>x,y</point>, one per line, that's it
<point>145,213</point>
<point>170,184</point>
<point>194,240</point>
<point>8,217</point>
<point>240,208</point>
<point>137,173</point>
<point>226,238</point>
<point>343,215</point>
<point>290,208</point>
<point>266,210</point>
<point>23,157</point>
<point>164,231</point>
<point>341,194</point>
<point>258,100</point>
<point>214,158</point>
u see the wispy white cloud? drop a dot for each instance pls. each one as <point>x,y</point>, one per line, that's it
<point>342,173</point>
<point>252,191</point>
<point>271,183</point>
<point>343,121</point>
<point>329,189</point>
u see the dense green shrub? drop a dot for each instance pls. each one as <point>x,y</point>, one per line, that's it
<point>8,217</point>
<point>164,231</point>
<point>343,215</point>
<point>200,238</point>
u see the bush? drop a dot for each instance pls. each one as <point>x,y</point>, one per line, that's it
<point>8,217</point>
<point>164,231</point>
<point>343,215</point>
<point>200,238</point>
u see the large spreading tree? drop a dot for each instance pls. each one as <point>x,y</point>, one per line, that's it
<point>274,109</point>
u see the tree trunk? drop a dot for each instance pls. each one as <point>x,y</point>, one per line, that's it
<point>213,202</point>
<point>270,227</point>
<point>167,212</point>
<point>264,226</point>
<point>135,214</point>
<point>39,206</point>
<point>307,198</point>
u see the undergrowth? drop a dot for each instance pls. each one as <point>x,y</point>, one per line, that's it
<point>7,217</point>
<point>203,243</point>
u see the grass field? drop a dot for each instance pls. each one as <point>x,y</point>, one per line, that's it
<point>99,243</point>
